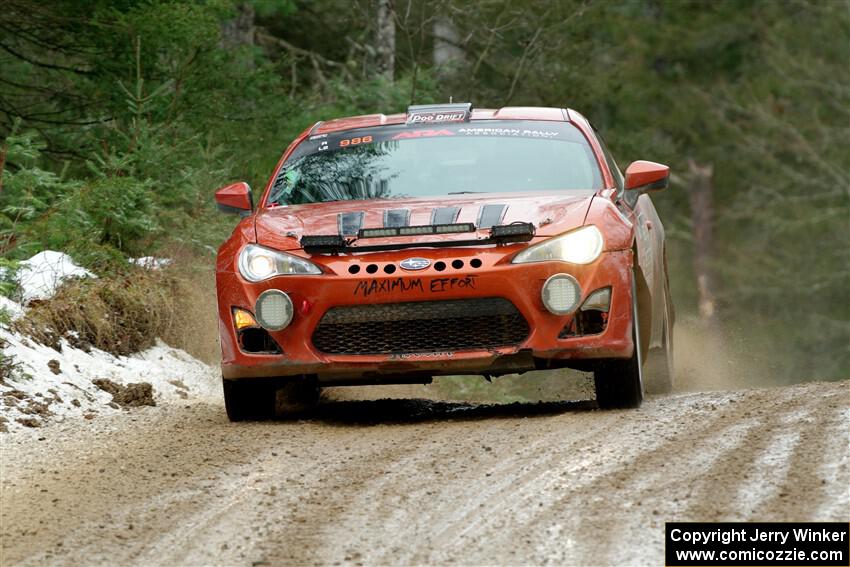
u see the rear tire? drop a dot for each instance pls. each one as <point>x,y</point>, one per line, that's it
<point>249,399</point>
<point>619,382</point>
<point>659,362</point>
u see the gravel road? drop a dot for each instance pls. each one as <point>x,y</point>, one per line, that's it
<point>421,482</point>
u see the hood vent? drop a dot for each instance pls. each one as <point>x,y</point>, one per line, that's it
<point>491,215</point>
<point>444,215</point>
<point>350,223</point>
<point>396,218</point>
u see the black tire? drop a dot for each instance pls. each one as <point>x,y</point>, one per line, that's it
<point>619,382</point>
<point>659,373</point>
<point>295,398</point>
<point>257,400</point>
<point>249,399</point>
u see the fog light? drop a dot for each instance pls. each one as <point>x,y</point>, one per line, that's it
<point>274,310</point>
<point>561,293</point>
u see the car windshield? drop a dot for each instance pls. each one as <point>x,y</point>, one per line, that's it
<point>441,159</point>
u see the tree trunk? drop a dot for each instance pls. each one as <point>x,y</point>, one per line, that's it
<point>448,56</point>
<point>3,151</point>
<point>700,192</point>
<point>240,30</point>
<point>385,40</point>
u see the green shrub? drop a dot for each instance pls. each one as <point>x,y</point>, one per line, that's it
<point>9,366</point>
<point>8,283</point>
<point>119,314</point>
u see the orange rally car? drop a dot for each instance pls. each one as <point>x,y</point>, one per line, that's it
<point>441,241</point>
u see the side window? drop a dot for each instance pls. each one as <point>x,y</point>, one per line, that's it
<point>609,159</point>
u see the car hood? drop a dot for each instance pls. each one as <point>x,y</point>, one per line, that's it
<point>551,213</point>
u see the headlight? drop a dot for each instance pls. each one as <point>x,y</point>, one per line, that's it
<point>257,263</point>
<point>581,246</point>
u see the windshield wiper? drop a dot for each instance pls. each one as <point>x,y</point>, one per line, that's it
<point>463,192</point>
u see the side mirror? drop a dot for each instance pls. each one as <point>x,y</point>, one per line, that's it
<point>645,176</point>
<point>235,198</point>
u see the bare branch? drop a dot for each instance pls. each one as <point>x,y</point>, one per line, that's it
<point>23,57</point>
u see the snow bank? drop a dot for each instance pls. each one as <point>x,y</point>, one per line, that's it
<point>54,386</point>
<point>49,385</point>
<point>41,275</point>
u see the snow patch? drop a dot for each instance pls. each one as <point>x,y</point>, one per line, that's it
<point>55,386</point>
<point>40,276</point>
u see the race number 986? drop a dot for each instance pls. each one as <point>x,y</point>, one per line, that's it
<point>355,141</point>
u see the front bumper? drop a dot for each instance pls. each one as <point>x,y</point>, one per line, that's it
<point>521,284</point>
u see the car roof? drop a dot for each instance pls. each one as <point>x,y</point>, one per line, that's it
<point>504,113</point>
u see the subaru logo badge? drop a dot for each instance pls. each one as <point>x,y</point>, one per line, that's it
<point>413,264</point>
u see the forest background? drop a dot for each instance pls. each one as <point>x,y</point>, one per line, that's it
<point>119,119</point>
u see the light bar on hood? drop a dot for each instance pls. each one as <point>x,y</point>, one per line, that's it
<point>514,232</point>
<point>322,243</point>
<point>390,231</point>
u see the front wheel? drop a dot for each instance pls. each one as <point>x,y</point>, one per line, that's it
<point>295,398</point>
<point>261,399</point>
<point>249,399</point>
<point>619,382</point>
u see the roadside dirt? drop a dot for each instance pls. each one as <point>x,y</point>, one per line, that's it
<point>399,481</point>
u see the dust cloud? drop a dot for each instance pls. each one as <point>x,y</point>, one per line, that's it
<point>713,358</point>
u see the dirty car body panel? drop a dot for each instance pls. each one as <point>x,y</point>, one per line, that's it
<point>411,226</point>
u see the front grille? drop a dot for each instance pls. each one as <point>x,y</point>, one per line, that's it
<point>423,326</point>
